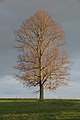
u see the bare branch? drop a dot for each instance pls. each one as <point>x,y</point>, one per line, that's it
<point>41,62</point>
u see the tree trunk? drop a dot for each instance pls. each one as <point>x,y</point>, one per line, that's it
<point>41,92</point>
<point>40,71</point>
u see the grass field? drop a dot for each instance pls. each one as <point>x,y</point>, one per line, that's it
<point>32,109</point>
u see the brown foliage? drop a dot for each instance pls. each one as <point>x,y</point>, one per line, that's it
<point>41,61</point>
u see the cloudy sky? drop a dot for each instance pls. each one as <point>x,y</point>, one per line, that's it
<point>12,14</point>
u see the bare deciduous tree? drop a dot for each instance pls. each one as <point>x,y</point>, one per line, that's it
<point>41,61</point>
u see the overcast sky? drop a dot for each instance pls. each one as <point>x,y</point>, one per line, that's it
<point>12,14</point>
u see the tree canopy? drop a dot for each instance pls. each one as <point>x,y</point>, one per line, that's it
<point>42,61</point>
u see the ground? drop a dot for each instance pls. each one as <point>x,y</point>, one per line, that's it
<point>33,109</point>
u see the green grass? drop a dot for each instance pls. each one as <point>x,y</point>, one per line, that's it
<point>33,109</point>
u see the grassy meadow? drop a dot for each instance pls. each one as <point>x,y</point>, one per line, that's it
<point>33,109</point>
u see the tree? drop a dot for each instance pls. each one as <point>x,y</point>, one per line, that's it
<point>41,62</point>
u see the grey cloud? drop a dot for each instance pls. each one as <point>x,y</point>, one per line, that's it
<point>10,88</point>
<point>14,12</point>
<point>1,0</point>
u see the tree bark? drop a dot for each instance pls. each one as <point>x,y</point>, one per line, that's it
<point>41,92</point>
<point>40,72</point>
